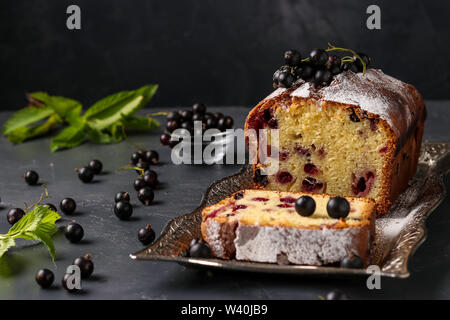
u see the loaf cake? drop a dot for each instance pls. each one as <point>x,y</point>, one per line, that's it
<point>264,226</point>
<point>360,136</point>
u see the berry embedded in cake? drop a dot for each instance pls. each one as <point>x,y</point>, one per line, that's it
<point>346,136</point>
<point>280,227</point>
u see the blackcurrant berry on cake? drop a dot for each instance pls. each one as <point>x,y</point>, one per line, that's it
<point>172,126</point>
<point>45,278</point>
<point>146,235</point>
<point>14,215</point>
<point>123,210</point>
<point>51,207</point>
<point>146,195</point>
<point>74,232</point>
<point>305,206</point>
<point>351,66</point>
<point>352,261</point>
<point>292,58</point>
<point>305,71</point>
<point>285,79</point>
<point>164,139</point>
<point>199,108</point>
<point>319,57</point>
<point>122,196</point>
<point>200,250</point>
<point>31,177</point>
<point>338,207</point>
<point>366,60</point>
<point>323,77</point>
<point>96,166</point>
<point>85,174</point>
<point>85,264</point>
<point>68,205</point>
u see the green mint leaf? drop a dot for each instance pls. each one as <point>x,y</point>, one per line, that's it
<point>38,224</point>
<point>61,105</point>
<point>139,122</point>
<point>68,138</point>
<point>98,136</point>
<point>118,132</point>
<point>19,135</point>
<point>25,117</point>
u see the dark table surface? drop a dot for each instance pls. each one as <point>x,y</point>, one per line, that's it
<point>110,241</point>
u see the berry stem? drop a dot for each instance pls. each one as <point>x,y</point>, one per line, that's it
<point>44,195</point>
<point>142,171</point>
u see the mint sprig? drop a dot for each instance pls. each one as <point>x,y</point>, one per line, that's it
<point>38,224</point>
<point>106,121</point>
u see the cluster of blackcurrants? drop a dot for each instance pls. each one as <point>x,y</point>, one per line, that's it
<point>86,174</point>
<point>319,68</point>
<point>184,119</point>
<point>144,184</point>
<point>45,277</point>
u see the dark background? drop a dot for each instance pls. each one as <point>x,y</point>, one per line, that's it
<point>219,52</point>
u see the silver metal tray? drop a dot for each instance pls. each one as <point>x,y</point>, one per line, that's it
<point>398,234</point>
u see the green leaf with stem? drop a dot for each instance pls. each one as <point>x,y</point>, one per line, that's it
<point>25,117</point>
<point>68,138</point>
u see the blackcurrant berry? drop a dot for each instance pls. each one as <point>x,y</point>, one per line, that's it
<point>333,60</point>
<point>146,235</point>
<point>85,264</point>
<point>292,58</point>
<point>150,178</point>
<point>352,261</point>
<point>144,165</point>
<point>122,196</point>
<point>164,139</point>
<point>68,205</point>
<point>186,115</point>
<point>85,174</point>
<point>208,115</point>
<point>285,79</point>
<point>218,115</point>
<point>45,278</point>
<point>336,69</point>
<point>200,250</point>
<point>31,177</point>
<point>14,215</point>
<point>305,71</point>
<point>123,210</point>
<point>65,283</point>
<point>366,60</point>
<point>351,66</point>
<point>188,126</point>
<point>211,123</point>
<point>193,242</point>
<point>225,123</point>
<point>276,78</point>
<point>146,195</point>
<point>319,57</point>
<point>305,206</point>
<point>135,157</point>
<point>52,207</point>
<point>173,116</point>
<point>74,232</point>
<point>199,108</point>
<point>198,117</point>
<point>96,166</point>
<point>139,183</point>
<point>322,77</point>
<point>336,295</point>
<point>171,126</point>
<point>338,207</point>
<point>152,157</point>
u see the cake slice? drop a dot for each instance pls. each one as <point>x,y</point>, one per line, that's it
<point>264,226</point>
<point>359,136</point>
